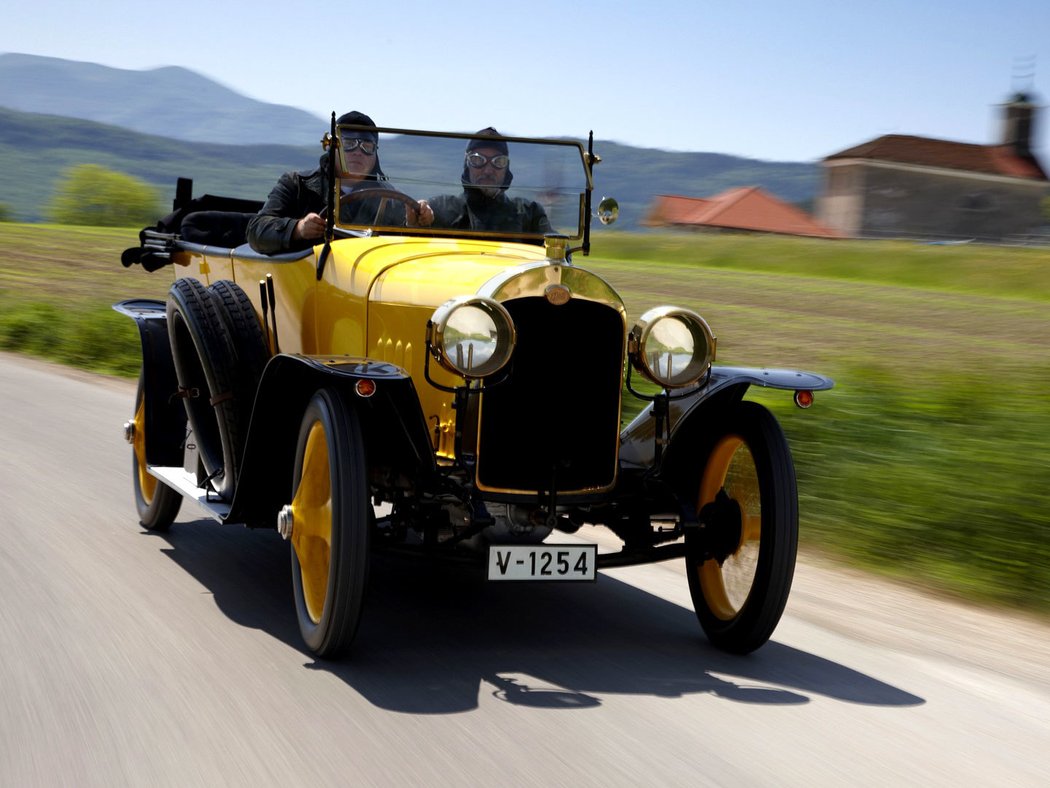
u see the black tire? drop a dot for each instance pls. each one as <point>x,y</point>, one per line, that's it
<point>249,346</point>
<point>331,525</point>
<point>242,322</point>
<point>741,563</point>
<point>157,504</point>
<point>205,365</point>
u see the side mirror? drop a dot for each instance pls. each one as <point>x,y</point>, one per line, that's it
<point>608,210</point>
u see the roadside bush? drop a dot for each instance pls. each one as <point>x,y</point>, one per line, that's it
<point>930,484</point>
<point>93,338</point>
<point>90,194</point>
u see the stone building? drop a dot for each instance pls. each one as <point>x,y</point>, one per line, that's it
<point>899,186</point>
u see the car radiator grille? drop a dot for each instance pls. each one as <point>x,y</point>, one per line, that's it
<point>555,423</point>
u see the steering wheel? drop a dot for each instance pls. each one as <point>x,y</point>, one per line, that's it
<point>381,194</point>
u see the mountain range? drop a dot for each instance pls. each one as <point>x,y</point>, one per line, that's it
<point>171,122</point>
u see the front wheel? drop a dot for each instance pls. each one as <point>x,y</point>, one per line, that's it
<point>741,562</point>
<point>330,516</point>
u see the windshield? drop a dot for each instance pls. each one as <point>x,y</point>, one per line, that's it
<point>473,185</point>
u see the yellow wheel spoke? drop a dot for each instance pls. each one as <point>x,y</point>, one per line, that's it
<point>752,528</point>
<point>717,468</point>
<point>312,512</point>
<point>147,482</point>
<point>731,469</point>
<point>713,585</point>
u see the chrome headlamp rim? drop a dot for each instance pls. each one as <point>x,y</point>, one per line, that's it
<point>703,350</point>
<point>501,332</point>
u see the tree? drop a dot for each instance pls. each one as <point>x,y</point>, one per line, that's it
<point>5,213</point>
<point>93,195</point>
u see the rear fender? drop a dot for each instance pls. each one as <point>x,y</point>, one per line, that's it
<point>725,386</point>
<point>165,416</point>
<point>395,430</point>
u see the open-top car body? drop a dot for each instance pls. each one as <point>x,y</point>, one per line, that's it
<point>455,389</point>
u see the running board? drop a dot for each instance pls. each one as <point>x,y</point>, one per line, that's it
<point>185,483</point>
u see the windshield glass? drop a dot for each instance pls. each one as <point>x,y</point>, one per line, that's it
<point>473,185</point>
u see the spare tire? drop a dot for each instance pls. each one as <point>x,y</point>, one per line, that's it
<point>249,344</point>
<point>205,366</point>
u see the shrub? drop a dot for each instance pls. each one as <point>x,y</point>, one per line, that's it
<point>92,195</point>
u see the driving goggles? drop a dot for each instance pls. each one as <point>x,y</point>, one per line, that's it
<point>478,160</point>
<point>367,146</point>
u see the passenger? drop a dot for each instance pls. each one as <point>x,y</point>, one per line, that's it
<point>292,219</point>
<point>484,204</point>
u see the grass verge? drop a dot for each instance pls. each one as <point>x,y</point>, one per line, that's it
<point>928,461</point>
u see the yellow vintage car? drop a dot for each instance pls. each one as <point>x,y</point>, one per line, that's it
<point>443,385</point>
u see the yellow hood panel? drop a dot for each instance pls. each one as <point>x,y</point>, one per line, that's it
<point>421,272</point>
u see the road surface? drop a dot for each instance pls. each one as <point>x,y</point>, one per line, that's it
<point>128,658</point>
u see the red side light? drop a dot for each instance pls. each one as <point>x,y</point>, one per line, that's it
<point>365,387</point>
<point>803,398</point>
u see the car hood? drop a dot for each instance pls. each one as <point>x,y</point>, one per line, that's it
<point>429,272</point>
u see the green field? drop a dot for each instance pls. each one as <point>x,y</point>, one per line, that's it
<point>930,459</point>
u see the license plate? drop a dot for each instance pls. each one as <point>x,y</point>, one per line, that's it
<point>543,562</point>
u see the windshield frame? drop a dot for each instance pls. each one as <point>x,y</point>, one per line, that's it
<point>573,208</point>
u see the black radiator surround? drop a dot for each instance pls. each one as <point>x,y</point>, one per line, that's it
<point>556,422</point>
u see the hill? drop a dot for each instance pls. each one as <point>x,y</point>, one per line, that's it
<point>36,149</point>
<point>169,102</point>
<point>170,122</point>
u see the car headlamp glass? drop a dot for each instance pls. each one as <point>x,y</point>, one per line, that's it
<point>472,336</point>
<point>672,347</point>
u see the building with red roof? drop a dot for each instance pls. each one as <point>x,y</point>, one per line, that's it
<point>906,186</point>
<point>746,209</point>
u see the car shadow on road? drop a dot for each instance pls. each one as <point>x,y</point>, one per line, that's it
<point>432,635</point>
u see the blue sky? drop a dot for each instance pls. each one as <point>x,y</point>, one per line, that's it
<point>761,78</point>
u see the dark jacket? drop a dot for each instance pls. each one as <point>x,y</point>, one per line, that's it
<point>299,193</point>
<point>472,210</point>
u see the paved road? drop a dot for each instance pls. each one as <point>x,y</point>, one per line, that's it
<point>133,659</point>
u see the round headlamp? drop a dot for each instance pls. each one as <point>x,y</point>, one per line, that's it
<point>472,336</point>
<point>672,347</point>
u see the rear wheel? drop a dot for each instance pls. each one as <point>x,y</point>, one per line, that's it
<point>330,512</point>
<point>741,563</point>
<point>156,502</point>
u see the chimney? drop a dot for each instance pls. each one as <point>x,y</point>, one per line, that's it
<point>1019,123</point>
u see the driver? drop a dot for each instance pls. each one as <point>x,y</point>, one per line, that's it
<point>291,218</point>
<point>484,204</point>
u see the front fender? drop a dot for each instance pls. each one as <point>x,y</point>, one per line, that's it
<point>395,430</point>
<point>723,386</point>
<point>165,415</point>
